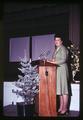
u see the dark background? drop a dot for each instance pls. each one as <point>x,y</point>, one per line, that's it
<point>23,19</point>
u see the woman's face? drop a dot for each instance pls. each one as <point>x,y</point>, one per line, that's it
<point>57,41</point>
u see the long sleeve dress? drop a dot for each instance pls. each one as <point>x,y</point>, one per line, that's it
<point>60,56</point>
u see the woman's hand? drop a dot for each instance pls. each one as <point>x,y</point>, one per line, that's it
<point>52,61</point>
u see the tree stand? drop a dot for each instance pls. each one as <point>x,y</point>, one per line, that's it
<point>25,109</point>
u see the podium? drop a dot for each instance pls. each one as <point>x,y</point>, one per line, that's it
<point>46,99</point>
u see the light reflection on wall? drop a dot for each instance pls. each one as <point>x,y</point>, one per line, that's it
<point>41,44</point>
<point>17,47</point>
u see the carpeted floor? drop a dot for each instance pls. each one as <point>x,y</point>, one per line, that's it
<point>11,110</point>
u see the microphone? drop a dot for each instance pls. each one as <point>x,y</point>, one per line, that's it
<point>48,52</point>
<point>44,54</point>
<point>41,55</point>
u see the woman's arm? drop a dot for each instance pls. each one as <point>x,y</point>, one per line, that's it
<point>52,61</point>
<point>63,57</point>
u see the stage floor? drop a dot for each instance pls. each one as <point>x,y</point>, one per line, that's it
<point>11,110</point>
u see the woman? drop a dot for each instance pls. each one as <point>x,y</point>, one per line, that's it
<point>60,56</point>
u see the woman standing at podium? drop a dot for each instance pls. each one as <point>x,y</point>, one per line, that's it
<point>60,56</point>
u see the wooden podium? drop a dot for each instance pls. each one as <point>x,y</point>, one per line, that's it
<point>46,101</point>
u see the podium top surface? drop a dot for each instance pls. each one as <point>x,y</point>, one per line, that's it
<point>43,63</point>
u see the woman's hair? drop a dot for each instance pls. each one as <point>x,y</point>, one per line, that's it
<point>59,35</point>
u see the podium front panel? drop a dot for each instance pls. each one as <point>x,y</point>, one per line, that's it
<point>47,91</point>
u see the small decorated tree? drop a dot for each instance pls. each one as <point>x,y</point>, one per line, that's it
<point>75,56</point>
<point>28,81</point>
